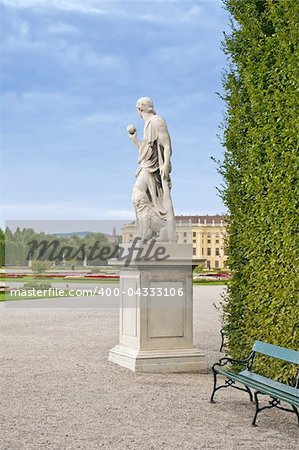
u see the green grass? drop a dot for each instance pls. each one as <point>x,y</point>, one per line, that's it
<point>93,280</point>
<point>209,283</point>
<point>4,296</point>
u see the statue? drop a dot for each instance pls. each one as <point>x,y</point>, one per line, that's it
<point>152,190</point>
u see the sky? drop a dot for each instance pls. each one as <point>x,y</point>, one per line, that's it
<point>71,72</point>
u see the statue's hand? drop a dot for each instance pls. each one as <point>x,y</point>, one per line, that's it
<point>131,129</point>
<point>133,136</point>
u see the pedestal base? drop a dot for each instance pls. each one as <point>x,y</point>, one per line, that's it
<point>156,314</point>
<point>159,361</point>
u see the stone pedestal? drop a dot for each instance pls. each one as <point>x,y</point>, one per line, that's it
<point>156,314</point>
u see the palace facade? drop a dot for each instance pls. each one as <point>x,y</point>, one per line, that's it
<point>206,234</point>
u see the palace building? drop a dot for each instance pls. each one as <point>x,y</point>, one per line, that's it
<point>206,233</point>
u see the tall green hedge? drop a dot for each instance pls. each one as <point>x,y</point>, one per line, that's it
<point>260,172</point>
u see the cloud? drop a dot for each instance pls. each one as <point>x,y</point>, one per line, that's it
<point>69,90</point>
<point>86,57</point>
<point>35,101</point>
<point>175,12</point>
<point>62,211</point>
<point>83,6</point>
<point>100,119</point>
<point>62,28</point>
<point>178,14</point>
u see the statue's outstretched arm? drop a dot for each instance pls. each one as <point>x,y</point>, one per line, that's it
<point>133,136</point>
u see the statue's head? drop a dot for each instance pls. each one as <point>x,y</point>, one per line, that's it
<point>145,105</point>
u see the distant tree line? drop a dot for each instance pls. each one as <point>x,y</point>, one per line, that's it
<point>2,248</point>
<point>23,245</point>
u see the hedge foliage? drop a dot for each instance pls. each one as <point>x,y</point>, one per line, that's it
<point>260,172</point>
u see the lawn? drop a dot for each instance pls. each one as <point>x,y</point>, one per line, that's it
<point>4,296</point>
<point>100,280</point>
<point>210,283</point>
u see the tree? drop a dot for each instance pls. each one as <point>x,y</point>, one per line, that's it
<point>199,268</point>
<point>260,171</point>
<point>39,266</point>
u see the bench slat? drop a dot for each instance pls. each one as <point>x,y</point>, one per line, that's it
<point>270,383</point>
<point>254,384</point>
<point>272,392</point>
<point>276,352</point>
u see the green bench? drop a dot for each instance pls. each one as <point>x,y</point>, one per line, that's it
<point>278,392</point>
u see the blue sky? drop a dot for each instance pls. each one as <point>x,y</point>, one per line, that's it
<point>71,73</point>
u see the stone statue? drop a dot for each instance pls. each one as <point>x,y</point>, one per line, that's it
<point>152,190</point>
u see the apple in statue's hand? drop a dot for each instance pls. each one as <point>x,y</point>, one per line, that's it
<point>131,129</point>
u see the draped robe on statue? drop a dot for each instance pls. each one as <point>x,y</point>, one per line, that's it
<point>148,190</point>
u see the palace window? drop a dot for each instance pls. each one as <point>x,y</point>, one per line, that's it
<point>194,251</point>
<point>216,264</point>
<point>217,251</point>
<point>209,251</point>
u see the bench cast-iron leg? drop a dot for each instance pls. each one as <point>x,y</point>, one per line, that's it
<point>273,403</point>
<point>228,383</point>
<point>214,388</point>
<point>249,392</point>
<point>222,340</point>
<point>257,409</point>
<point>296,412</point>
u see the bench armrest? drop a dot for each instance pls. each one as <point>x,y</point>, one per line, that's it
<point>246,362</point>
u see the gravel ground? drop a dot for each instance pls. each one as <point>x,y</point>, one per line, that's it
<point>60,392</point>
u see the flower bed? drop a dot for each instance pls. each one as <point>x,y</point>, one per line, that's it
<point>214,275</point>
<point>67,275</point>
<point>101,276</point>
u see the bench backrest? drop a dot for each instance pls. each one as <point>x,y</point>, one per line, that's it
<point>276,352</point>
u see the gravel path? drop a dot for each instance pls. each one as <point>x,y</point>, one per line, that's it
<point>60,392</point>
